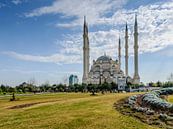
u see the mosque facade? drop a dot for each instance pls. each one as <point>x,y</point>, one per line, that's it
<point>106,69</point>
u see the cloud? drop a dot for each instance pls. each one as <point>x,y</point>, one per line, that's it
<point>16,2</point>
<point>155,33</point>
<point>166,51</point>
<point>22,71</point>
<point>93,9</point>
<point>154,22</point>
<point>26,71</point>
<point>2,5</point>
<point>54,58</point>
<point>71,49</point>
<point>39,76</point>
<point>100,42</point>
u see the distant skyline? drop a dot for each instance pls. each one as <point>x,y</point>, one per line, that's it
<point>42,39</point>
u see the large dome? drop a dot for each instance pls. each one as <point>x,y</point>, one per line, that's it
<point>104,58</point>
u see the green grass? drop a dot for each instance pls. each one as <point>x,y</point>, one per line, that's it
<point>67,111</point>
<point>170,98</point>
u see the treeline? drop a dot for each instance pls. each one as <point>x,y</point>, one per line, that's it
<point>93,88</point>
<point>30,88</point>
<point>161,84</point>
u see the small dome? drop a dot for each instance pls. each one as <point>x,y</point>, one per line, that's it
<point>104,58</point>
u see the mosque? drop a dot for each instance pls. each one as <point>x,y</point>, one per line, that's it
<point>106,69</point>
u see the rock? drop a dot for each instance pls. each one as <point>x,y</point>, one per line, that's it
<point>149,112</point>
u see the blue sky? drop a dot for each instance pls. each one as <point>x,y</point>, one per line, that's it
<point>42,39</point>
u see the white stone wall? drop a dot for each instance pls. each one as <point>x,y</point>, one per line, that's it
<point>106,71</point>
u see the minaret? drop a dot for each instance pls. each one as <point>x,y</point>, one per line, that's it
<point>126,51</point>
<point>85,53</point>
<point>136,78</point>
<point>119,53</point>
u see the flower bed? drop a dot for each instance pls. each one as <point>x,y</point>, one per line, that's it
<point>153,103</point>
<point>151,108</point>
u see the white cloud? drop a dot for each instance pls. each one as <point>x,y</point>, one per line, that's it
<point>25,71</point>
<point>22,71</point>
<point>2,5</point>
<point>54,58</point>
<point>166,51</point>
<point>155,31</point>
<point>100,42</point>
<point>154,21</point>
<point>93,9</point>
<point>40,76</point>
<point>16,2</point>
<point>71,49</point>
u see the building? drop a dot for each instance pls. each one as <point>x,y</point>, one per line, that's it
<point>73,79</point>
<point>106,69</point>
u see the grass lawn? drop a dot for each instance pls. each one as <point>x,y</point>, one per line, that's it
<point>67,111</point>
<point>170,98</point>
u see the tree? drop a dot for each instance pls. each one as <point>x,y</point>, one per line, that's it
<point>85,87</point>
<point>61,87</point>
<point>11,90</point>
<point>3,88</point>
<point>54,88</point>
<point>45,87</point>
<point>79,88</point>
<point>71,88</point>
<point>151,84</point>
<point>168,84</point>
<point>76,87</point>
<point>31,85</point>
<point>103,87</point>
<point>129,84</point>
<point>22,87</point>
<point>159,84</point>
<point>92,88</point>
<point>114,86</point>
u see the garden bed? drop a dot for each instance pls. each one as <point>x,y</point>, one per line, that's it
<point>151,108</point>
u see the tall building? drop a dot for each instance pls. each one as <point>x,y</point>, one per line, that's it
<point>136,78</point>
<point>119,53</point>
<point>73,79</point>
<point>126,51</point>
<point>85,52</point>
<point>106,69</point>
